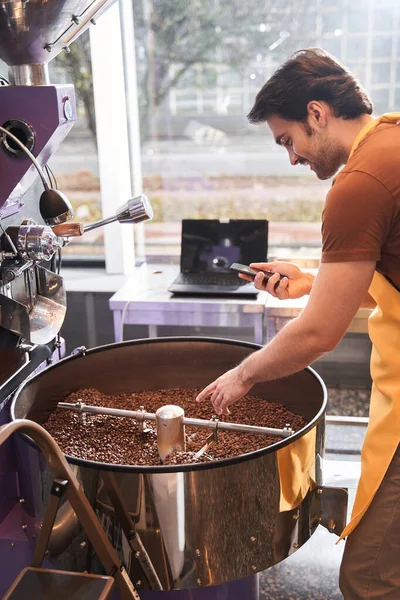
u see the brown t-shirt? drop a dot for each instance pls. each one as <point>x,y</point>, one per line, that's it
<point>361,218</point>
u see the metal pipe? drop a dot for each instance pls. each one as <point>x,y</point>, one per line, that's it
<point>34,74</point>
<point>140,416</point>
<point>355,421</point>
<point>101,223</point>
<point>170,430</point>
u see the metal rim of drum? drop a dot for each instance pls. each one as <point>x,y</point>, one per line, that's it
<point>14,126</point>
<point>181,467</point>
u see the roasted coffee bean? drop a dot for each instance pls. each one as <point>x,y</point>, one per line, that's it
<point>117,440</point>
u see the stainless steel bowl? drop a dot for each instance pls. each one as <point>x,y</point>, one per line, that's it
<point>201,524</point>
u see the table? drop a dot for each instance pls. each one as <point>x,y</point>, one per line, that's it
<point>144,300</point>
<point>279,312</point>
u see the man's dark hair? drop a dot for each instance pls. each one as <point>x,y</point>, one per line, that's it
<point>310,74</point>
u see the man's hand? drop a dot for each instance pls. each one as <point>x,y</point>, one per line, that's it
<point>226,390</point>
<point>295,282</point>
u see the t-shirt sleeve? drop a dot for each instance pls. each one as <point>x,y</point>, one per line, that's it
<point>356,218</point>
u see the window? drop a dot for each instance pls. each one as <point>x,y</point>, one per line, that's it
<point>356,47</point>
<point>332,21</point>
<point>381,73</point>
<point>199,67</point>
<point>357,20</point>
<point>380,99</point>
<point>383,19</point>
<point>382,46</point>
<point>75,162</point>
<point>333,45</point>
<point>206,160</point>
<point>359,70</point>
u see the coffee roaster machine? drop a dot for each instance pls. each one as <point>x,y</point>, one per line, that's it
<point>196,531</point>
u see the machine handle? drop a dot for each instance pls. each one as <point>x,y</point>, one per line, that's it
<point>68,229</point>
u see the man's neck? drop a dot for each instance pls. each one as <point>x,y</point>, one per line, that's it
<point>348,130</point>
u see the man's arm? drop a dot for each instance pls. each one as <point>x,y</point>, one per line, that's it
<point>336,295</point>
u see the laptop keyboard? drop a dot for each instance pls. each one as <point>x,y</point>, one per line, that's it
<point>222,279</point>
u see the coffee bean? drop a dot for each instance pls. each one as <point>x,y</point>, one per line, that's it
<point>117,440</point>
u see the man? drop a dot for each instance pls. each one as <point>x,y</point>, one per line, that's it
<point>317,110</point>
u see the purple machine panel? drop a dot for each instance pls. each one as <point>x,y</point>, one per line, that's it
<point>50,112</point>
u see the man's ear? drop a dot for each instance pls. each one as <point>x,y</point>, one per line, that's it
<point>317,113</point>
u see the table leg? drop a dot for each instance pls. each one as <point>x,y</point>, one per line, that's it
<point>259,328</point>
<point>153,331</point>
<point>271,328</point>
<point>117,315</point>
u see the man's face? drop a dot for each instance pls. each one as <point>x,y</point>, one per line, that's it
<point>308,145</point>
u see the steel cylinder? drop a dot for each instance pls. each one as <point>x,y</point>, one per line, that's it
<point>202,524</point>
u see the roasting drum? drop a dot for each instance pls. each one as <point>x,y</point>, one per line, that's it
<point>202,524</point>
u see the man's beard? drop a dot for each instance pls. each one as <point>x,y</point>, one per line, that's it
<point>330,156</point>
<point>328,162</point>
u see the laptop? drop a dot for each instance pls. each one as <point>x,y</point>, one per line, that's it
<point>210,246</point>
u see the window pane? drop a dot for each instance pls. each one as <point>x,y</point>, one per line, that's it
<point>332,21</point>
<point>359,70</point>
<point>206,160</point>
<point>383,19</point>
<point>380,99</point>
<point>334,46</point>
<point>382,46</point>
<point>75,163</point>
<point>357,21</point>
<point>356,47</point>
<point>381,73</point>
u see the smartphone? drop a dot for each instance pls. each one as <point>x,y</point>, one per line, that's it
<point>243,269</point>
<point>247,271</point>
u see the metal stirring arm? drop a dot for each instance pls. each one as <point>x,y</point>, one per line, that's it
<point>209,440</point>
<point>212,424</point>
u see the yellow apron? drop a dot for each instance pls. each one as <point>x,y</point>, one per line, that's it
<point>383,433</point>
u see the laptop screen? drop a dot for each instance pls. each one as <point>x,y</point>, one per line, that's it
<point>211,246</point>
